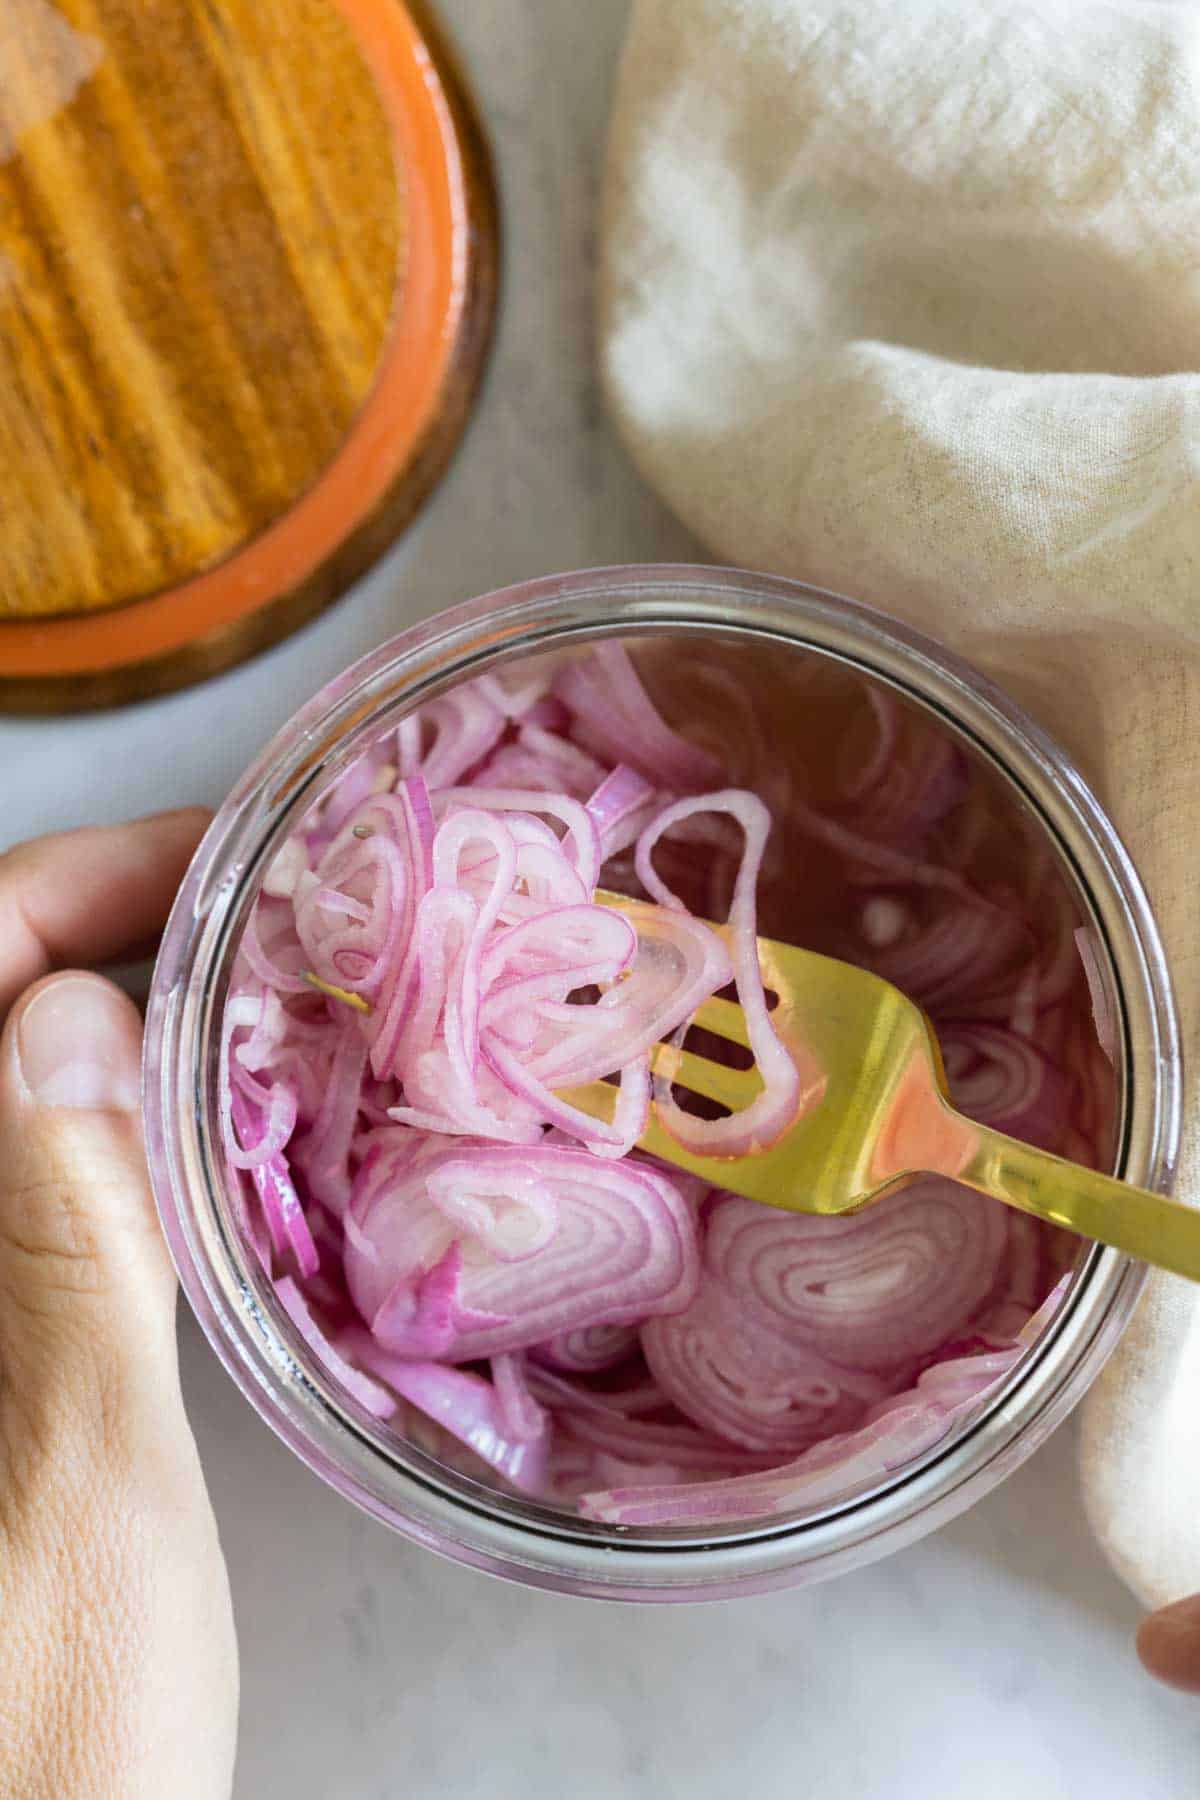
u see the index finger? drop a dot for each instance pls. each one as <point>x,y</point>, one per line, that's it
<point>1168,1643</point>
<point>89,896</point>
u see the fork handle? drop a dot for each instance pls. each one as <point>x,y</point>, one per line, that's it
<point>1146,1225</point>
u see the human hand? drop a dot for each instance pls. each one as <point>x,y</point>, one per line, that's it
<point>118,1663</point>
<point>1169,1644</point>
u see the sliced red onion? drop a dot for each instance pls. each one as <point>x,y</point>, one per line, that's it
<point>1003,1081</point>
<point>541,761</point>
<point>582,839</point>
<point>419,1317</point>
<point>263,1118</point>
<point>584,1352</point>
<point>465,726</point>
<point>900,1430</point>
<point>782,1098</point>
<point>277,1198</point>
<point>621,807</point>
<point>899,799</point>
<point>886,718</point>
<point>828,1471</point>
<point>632,1434</point>
<point>410,1026</point>
<point>615,1138</point>
<point>517,691</point>
<point>679,963</point>
<point>552,1240</point>
<point>869,1289</point>
<point>373,1398</point>
<point>958,954</point>
<point>277,963</point>
<point>728,1372</point>
<point>727,722</point>
<point>548,712</point>
<point>370,775</point>
<point>1089,1140</point>
<point>685,1449</point>
<point>576,1468</point>
<point>1024,1274</point>
<point>324,1151</point>
<point>343,951</point>
<point>548,956</point>
<point>381,860</point>
<point>463,1404</point>
<point>459,1022</point>
<point>1102,1007</point>
<point>959,1380</point>
<point>284,1214</point>
<point>1058,962</point>
<point>875,861</point>
<point>446,1088</point>
<point>287,866</point>
<point>425,975</point>
<point>524,1419</point>
<point>615,719</point>
<point>638,1395</point>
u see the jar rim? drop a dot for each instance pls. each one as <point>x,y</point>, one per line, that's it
<point>252,1337</point>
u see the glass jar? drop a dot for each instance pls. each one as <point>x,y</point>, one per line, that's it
<point>233,1299</point>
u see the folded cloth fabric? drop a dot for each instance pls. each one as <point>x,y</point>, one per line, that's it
<point>904,300</point>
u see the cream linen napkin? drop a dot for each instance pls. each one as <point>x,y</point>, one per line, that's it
<point>903,297</point>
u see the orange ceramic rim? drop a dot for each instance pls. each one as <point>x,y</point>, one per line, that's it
<point>416,360</point>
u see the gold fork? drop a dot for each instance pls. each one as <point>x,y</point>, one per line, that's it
<point>883,1116</point>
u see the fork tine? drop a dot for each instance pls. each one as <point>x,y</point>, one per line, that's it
<point>724,1018</point>
<point>734,1088</point>
<point>595,1097</point>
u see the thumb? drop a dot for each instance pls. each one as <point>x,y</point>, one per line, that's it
<point>87,1294</point>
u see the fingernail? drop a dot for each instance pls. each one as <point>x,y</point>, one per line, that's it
<point>78,1045</point>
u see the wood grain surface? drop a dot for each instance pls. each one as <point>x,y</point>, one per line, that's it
<point>200,236</point>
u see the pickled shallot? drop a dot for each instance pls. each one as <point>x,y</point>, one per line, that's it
<point>500,1276</point>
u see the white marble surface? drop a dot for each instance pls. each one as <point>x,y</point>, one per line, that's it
<point>992,1661</point>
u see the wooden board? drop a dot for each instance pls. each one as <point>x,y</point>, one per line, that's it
<point>247,263</point>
